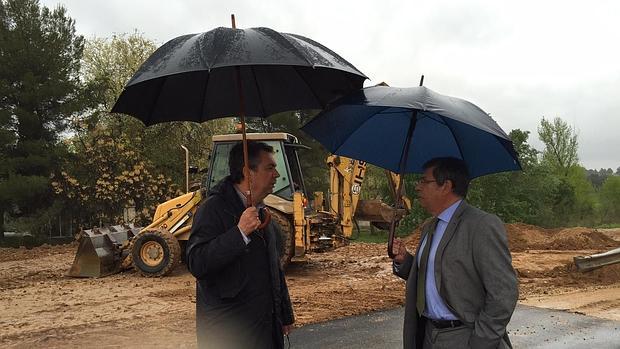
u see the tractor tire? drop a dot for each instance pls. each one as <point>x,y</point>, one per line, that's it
<point>155,253</point>
<point>286,240</point>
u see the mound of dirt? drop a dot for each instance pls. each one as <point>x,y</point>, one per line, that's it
<point>581,239</point>
<point>17,254</point>
<point>523,237</point>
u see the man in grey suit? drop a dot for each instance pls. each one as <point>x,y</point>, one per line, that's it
<point>461,288</point>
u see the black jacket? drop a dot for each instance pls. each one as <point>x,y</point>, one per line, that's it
<point>242,299</point>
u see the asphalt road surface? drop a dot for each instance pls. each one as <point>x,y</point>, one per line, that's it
<point>530,327</point>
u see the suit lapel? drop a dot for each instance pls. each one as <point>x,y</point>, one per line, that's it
<point>447,236</point>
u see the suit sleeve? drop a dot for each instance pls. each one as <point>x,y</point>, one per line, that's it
<point>211,246</point>
<point>494,266</point>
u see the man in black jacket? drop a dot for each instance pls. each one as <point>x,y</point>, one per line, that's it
<point>242,300</point>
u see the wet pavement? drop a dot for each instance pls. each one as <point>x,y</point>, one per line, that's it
<point>530,327</point>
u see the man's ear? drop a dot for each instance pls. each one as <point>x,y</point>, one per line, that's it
<point>448,186</point>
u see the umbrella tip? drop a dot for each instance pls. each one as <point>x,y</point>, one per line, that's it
<point>422,80</point>
<point>232,20</point>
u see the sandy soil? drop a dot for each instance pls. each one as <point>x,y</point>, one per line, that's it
<point>42,308</point>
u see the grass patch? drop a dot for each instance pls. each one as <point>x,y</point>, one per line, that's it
<point>609,226</point>
<point>375,236</point>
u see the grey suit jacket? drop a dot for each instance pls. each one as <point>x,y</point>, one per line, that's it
<point>474,276</point>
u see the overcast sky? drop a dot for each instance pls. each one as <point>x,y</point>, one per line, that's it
<point>518,60</point>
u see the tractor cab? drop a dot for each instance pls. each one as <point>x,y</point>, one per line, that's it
<point>285,153</point>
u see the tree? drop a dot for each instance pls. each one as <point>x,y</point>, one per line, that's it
<point>560,144</point>
<point>109,63</point>
<point>129,164</point>
<point>585,201</point>
<point>528,156</point>
<point>40,90</point>
<point>99,185</point>
<point>597,178</point>
<point>610,199</point>
<point>522,196</point>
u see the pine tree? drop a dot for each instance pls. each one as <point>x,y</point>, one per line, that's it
<point>40,91</point>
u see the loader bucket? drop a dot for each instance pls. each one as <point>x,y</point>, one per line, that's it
<point>101,251</point>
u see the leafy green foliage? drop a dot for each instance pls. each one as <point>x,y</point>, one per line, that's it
<point>560,144</point>
<point>129,165</point>
<point>99,185</point>
<point>373,235</point>
<point>598,177</point>
<point>583,210</point>
<point>40,90</point>
<point>610,200</point>
<point>111,62</point>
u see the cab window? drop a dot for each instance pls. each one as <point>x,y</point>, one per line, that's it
<point>219,167</point>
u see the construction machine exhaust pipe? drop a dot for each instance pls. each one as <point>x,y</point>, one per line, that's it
<point>101,251</point>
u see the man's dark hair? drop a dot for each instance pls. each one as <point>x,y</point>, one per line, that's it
<point>452,169</point>
<point>235,158</point>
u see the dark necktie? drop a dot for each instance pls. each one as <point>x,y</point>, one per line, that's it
<point>421,284</point>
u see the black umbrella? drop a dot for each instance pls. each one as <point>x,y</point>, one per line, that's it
<point>228,72</point>
<point>401,128</point>
<point>194,77</point>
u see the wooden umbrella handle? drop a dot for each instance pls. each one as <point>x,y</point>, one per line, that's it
<point>266,218</point>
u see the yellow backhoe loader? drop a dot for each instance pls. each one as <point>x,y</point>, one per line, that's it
<point>156,249</point>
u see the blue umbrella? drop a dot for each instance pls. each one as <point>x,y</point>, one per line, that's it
<point>400,129</point>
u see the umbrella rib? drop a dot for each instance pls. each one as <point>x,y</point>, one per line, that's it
<point>150,114</point>
<point>260,97</point>
<point>440,120</point>
<point>204,97</point>
<point>512,153</point>
<point>403,157</point>
<point>456,140</point>
<point>308,85</point>
<point>297,52</point>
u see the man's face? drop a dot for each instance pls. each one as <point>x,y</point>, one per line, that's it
<point>264,177</point>
<point>431,195</point>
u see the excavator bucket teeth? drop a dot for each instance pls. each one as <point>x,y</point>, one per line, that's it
<point>101,251</point>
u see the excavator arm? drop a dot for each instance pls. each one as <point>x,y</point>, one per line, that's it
<point>345,186</point>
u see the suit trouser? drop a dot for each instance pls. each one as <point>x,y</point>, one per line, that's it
<point>446,338</point>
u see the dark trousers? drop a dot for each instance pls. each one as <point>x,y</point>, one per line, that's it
<point>445,338</point>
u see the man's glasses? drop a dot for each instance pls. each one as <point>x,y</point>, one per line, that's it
<point>424,181</point>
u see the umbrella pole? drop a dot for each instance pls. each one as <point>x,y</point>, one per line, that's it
<point>246,162</point>
<point>399,189</point>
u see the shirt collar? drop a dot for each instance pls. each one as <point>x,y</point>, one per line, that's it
<point>447,214</point>
<point>244,199</point>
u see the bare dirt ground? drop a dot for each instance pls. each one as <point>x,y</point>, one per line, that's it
<point>42,308</point>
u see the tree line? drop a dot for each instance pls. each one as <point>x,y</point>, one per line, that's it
<point>64,157</point>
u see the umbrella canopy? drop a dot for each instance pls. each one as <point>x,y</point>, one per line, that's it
<point>400,129</point>
<point>227,71</point>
